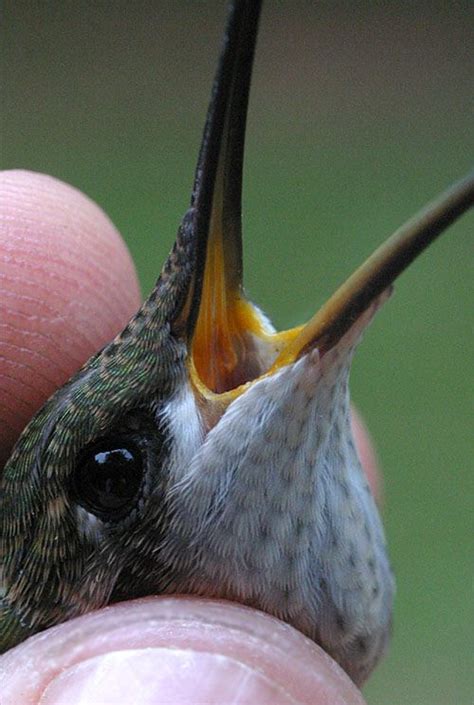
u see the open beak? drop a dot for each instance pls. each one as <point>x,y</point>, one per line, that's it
<point>230,343</point>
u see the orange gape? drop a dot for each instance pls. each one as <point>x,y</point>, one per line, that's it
<point>232,343</point>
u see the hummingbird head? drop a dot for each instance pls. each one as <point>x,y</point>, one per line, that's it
<point>202,451</point>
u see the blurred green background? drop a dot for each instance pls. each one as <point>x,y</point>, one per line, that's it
<point>359,114</point>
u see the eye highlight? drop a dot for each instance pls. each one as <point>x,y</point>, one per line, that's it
<point>108,477</point>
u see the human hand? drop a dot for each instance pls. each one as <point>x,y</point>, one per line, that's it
<point>67,285</point>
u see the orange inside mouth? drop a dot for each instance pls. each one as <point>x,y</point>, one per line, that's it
<point>232,345</point>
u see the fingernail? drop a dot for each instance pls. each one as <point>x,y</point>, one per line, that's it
<point>164,676</point>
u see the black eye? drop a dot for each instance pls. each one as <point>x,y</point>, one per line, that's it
<point>108,478</point>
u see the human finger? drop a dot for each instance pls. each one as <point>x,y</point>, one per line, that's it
<point>67,286</point>
<point>174,650</point>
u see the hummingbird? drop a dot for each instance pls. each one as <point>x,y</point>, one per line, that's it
<point>204,452</point>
